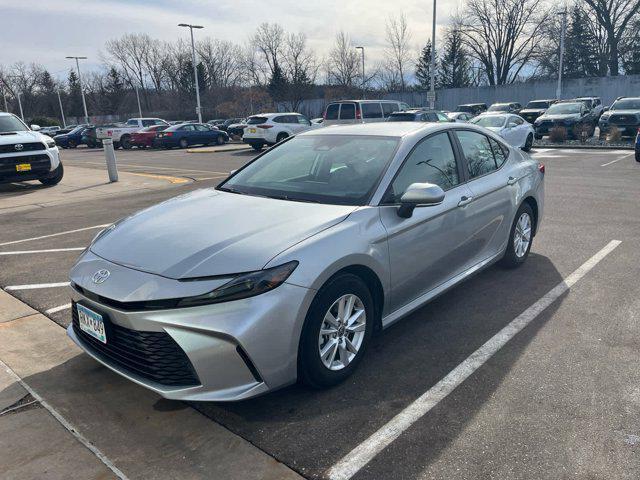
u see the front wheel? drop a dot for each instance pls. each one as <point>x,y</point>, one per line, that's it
<point>637,155</point>
<point>220,139</point>
<point>54,177</point>
<point>528,143</point>
<point>336,332</point>
<point>520,239</point>
<point>184,143</point>
<point>72,144</point>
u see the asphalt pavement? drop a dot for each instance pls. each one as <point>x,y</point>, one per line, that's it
<point>558,400</point>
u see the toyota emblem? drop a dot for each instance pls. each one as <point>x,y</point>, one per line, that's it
<point>18,146</point>
<point>100,276</point>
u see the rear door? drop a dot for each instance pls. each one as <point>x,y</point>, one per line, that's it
<point>490,206</point>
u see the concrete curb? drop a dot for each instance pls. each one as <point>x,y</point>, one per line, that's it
<point>221,148</point>
<point>132,431</point>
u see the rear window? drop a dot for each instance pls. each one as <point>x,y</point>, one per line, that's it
<point>256,120</point>
<point>371,110</point>
<point>332,111</point>
<point>348,111</point>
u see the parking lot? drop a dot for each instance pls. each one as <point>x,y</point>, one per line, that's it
<point>560,396</point>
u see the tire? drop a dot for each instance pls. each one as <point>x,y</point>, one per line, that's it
<point>637,155</point>
<point>538,137</point>
<point>53,178</point>
<point>281,136</point>
<point>220,140</point>
<point>125,142</point>
<point>312,369</point>
<point>72,144</point>
<point>184,143</point>
<point>528,143</point>
<point>257,147</point>
<point>116,145</point>
<point>514,257</point>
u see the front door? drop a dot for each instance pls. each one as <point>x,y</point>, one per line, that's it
<point>432,245</point>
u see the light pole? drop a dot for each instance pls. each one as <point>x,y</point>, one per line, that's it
<point>64,122</point>
<point>6,107</point>
<point>84,103</point>
<point>561,60</point>
<point>138,98</point>
<point>362,49</point>
<point>195,68</point>
<point>432,68</point>
<point>20,106</point>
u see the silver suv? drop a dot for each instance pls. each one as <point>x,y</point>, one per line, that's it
<point>361,111</point>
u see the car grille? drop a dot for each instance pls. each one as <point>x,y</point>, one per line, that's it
<point>529,117</point>
<point>152,355</point>
<point>623,119</point>
<point>39,164</point>
<point>26,147</point>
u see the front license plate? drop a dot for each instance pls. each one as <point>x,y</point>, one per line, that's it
<point>91,323</point>
<point>23,167</point>
<point>252,130</point>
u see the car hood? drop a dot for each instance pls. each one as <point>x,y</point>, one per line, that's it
<point>21,137</point>
<point>621,112</point>
<point>209,232</point>
<point>532,110</point>
<point>560,116</point>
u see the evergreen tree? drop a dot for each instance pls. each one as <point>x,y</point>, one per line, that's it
<point>631,53</point>
<point>455,65</point>
<point>278,84</point>
<point>423,67</point>
<point>113,91</point>
<point>74,105</point>
<point>580,56</point>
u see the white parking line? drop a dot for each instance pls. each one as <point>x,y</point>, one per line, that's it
<point>367,450</point>
<point>58,309</point>
<point>52,250</point>
<point>55,234</point>
<point>36,286</point>
<point>617,160</point>
<point>66,424</point>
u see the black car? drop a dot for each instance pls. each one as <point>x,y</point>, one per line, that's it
<point>229,121</point>
<point>418,115</point>
<point>506,107</point>
<point>535,108</point>
<point>624,114</point>
<point>572,115</point>
<point>637,147</point>
<point>472,108</point>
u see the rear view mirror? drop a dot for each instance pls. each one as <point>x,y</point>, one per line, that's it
<point>419,195</point>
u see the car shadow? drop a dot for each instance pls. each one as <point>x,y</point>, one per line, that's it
<point>20,188</point>
<point>310,430</point>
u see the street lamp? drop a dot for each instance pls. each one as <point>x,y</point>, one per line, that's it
<point>362,48</point>
<point>432,90</point>
<point>84,103</point>
<point>561,60</point>
<point>195,69</point>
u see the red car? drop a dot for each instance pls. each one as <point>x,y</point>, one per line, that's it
<point>145,138</point>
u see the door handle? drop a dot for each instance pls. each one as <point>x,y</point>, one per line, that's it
<point>465,201</point>
<point>512,181</point>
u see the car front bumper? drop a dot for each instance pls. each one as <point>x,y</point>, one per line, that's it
<point>237,349</point>
<point>629,130</point>
<point>42,162</point>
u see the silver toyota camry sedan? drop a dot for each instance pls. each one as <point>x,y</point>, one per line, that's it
<point>286,269</point>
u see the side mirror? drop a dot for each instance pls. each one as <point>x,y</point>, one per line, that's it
<point>419,195</point>
<point>605,109</point>
<point>35,128</point>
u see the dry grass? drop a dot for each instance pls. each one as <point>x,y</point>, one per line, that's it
<point>614,135</point>
<point>558,135</point>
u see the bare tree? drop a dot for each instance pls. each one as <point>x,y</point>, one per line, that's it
<point>503,35</point>
<point>222,62</point>
<point>614,16</point>
<point>300,69</point>
<point>130,53</point>
<point>343,63</point>
<point>269,41</point>
<point>398,51</point>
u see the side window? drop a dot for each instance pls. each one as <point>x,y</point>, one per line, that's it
<point>188,128</point>
<point>442,117</point>
<point>332,111</point>
<point>148,123</point>
<point>404,106</point>
<point>431,161</point>
<point>158,122</point>
<point>477,151</point>
<point>432,117</point>
<point>371,110</point>
<point>348,111</point>
<point>389,108</point>
<point>518,120</point>
<point>282,119</point>
<point>499,152</point>
<point>202,128</point>
<point>302,120</point>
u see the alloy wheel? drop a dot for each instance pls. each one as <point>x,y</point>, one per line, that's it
<point>342,332</point>
<point>522,235</point>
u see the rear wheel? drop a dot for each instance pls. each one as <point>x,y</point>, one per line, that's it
<point>257,146</point>
<point>220,139</point>
<point>637,155</point>
<point>336,332</point>
<point>528,143</point>
<point>54,177</point>
<point>520,239</point>
<point>125,142</point>
<point>184,143</point>
<point>281,136</point>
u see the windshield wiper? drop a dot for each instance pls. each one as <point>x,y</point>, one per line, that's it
<point>230,190</point>
<point>291,199</point>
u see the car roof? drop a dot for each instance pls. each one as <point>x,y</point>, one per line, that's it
<point>274,114</point>
<point>382,129</point>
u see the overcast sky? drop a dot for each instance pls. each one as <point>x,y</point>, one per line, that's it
<point>45,31</point>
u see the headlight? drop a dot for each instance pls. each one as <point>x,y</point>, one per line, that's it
<point>51,144</point>
<point>243,286</point>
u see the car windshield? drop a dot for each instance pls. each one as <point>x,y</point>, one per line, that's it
<point>333,169</point>
<point>627,104</point>
<point>499,107</point>
<point>538,104</point>
<point>490,121</point>
<point>401,117</point>
<point>564,108</point>
<point>77,130</point>
<point>9,123</point>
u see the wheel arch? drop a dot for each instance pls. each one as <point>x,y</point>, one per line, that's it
<point>533,203</point>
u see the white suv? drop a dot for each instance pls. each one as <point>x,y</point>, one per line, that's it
<point>271,128</point>
<point>26,154</point>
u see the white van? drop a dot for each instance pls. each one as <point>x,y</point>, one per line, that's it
<point>361,111</point>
